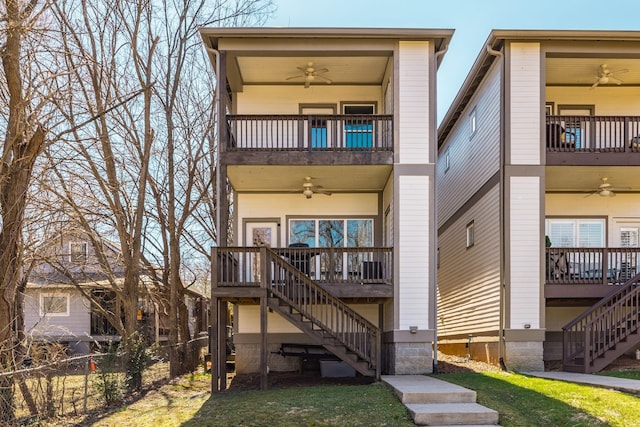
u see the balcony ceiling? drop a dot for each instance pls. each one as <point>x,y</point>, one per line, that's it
<point>342,70</point>
<point>289,179</point>
<point>584,71</point>
<point>568,179</point>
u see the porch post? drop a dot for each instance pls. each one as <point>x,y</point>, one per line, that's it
<point>264,349</point>
<point>213,329</point>
<point>222,212</point>
<point>222,342</point>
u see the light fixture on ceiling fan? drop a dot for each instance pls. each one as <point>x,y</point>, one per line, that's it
<point>309,188</point>
<point>310,74</point>
<point>605,189</point>
<point>605,76</point>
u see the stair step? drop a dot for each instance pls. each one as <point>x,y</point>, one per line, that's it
<point>451,414</point>
<point>424,389</point>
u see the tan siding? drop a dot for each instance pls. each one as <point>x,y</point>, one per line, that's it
<point>620,209</point>
<point>413,251</point>
<point>249,319</point>
<point>473,160</point>
<point>609,101</point>
<point>286,100</point>
<point>414,102</point>
<point>524,245</point>
<point>280,205</point>
<point>469,279</point>
<point>525,103</point>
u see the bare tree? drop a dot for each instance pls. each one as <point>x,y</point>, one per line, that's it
<point>109,47</point>
<point>24,100</point>
<point>182,183</point>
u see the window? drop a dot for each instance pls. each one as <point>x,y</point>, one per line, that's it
<point>77,251</point>
<point>473,125</point>
<point>629,237</point>
<point>471,234</point>
<point>332,233</point>
<point>54,304</point>
<point>447,160</point>
<point>576,233</point>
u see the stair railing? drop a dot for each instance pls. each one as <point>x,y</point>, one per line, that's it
<point>321,308</point>
<point>603,326</point>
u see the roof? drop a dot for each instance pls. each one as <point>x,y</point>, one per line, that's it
<point>212,35</point>
<point>496,41</point>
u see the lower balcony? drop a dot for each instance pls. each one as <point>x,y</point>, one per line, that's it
<point>352,273</point>
<point>588,272</point>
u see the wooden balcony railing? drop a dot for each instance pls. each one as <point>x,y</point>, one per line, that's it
<point>310,132</point>
<point>591,266</point>
<point>606,325</point>
<point>593,134</point>
<point>240,266</point>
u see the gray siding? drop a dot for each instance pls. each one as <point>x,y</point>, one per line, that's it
<point>469,278</point>
<point>473,159</point>
<point>75,325</point>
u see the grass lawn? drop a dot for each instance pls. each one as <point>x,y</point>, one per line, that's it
<point>520,400</point>
<point>529,401</point>
<point>188,403</point>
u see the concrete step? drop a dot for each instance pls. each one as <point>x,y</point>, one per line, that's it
<point>451,414</point>
<point>423,389</point>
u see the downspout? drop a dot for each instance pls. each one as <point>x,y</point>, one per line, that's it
<point>437,55</point>
<point>503,242</point>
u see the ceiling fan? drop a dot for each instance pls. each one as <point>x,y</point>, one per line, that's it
<point>309,188</point>
<point>310,74</point>
<point>605,189</point>
<point>605,76</point>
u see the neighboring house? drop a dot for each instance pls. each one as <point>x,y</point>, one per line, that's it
<point>327,146</point>
<point>543,132</point>
<point>66,270</point>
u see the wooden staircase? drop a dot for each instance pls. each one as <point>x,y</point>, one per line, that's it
<point>604,332</point>
<point>326,319</point>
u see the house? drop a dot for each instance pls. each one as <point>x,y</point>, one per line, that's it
<point>537,262</point>
<point>67,273</point>
<point>326,150</point>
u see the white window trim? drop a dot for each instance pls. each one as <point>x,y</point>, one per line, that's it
<point>447,160</point>
<point>44,295</point>
<point>473,122</point>
<point>575,222</point>
<point>471,234</point>
<point>71,252</point>
<point>317,221</point>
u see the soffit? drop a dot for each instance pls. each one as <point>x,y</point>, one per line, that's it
<point>287,178</point>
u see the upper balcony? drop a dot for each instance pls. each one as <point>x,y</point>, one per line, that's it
<point>593,140</point>
<point>346,139</point>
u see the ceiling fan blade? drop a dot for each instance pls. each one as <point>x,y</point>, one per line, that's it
<point>321,70</point>
<point>329,81</point>
<point>622,71</point>
<point>593,86</point>
<point>614,80</point>
<point>295,77</point>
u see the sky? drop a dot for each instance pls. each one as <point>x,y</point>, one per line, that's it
<point>472,21</point>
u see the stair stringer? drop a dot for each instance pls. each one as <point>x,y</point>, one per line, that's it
<point>321,337</point>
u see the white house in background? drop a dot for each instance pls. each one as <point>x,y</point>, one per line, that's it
<point>327,146</point>
<point>56,307</point>
<point>543,132</point>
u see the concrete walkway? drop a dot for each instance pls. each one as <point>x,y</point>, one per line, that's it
<point>622,384</point>
<point>438,403</point>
